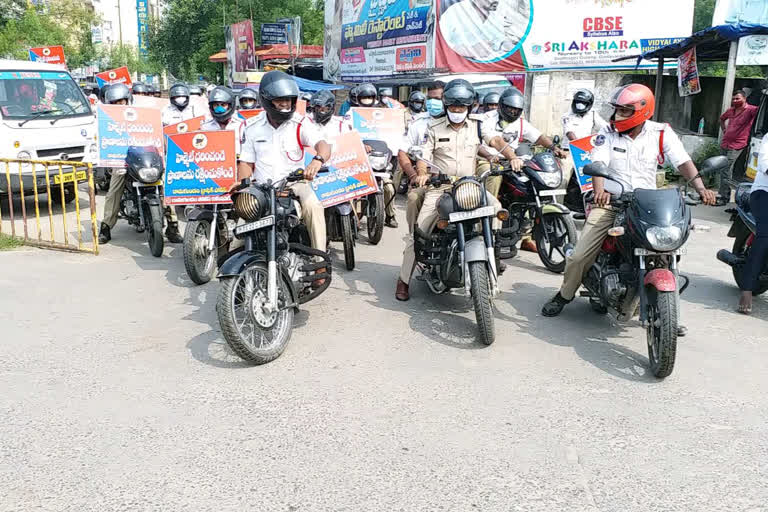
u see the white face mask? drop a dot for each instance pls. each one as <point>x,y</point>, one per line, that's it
<point>457,117</point>
<point>581,106</point>
<point>366,102</point>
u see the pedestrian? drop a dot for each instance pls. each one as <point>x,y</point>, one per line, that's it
<point>736,123</point>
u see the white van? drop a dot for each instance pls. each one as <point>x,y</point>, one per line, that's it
<point>43,116</point>
<point>483,83</point>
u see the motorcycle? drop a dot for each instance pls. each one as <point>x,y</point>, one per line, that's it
<point>142,201</point>
<point>206,236</point>
<point>637,267</point>
<point>373,206</point>
<point>460,251</point>
<point>264,282</point>
<point>341,225</point>
<point>743,230</point>
<point>529,196</point>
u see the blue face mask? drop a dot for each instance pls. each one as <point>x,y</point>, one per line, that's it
<point>434,107</point>
<point>219,109</point>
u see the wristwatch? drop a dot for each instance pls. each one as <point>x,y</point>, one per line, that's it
<point>319,159</point>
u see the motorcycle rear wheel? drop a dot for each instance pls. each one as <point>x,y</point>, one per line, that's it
<point>740,248</point>
<point>348,238</point>
<point>244,323</point>
<point>482,301</point>
<point>662,333</point>
<point>375,218</point>
<point>198,260</point>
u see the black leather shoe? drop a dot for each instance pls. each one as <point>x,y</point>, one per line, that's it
<point>104,234</point>
<point>391,222</point>
<point>555,306</point>
<point>172,233</point>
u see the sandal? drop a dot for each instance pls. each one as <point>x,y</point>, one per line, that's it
<point>744,310</point>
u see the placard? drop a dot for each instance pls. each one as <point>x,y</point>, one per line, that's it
<point>350,173</point>
<point>385,124</point>
<point>580,153</point>
<point>121,127</point>
<point>190,125</point>
<point>114,76</point>
<point>200,167</point>
<point>48,54</point>
<point>246,114</point>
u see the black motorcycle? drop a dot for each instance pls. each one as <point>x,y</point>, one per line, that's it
<point>263,284</point>
<point>460,252</point>
<point>206,236</point>
<point>372,206</point>
<point>637,267</point>
<point>529,196</point>
<point>341,226</point>
<point>142,201</point>
<point>743,231</point>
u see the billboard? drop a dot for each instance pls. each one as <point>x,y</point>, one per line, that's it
<point>753,51</point>
<point>380,38</point>
<point>274,33</point>
<point>240,52</point>
<point>142,18</point>
<point>730,12</point>
<point>48,54</point>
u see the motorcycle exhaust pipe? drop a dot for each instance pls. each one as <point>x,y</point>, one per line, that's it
<point>729,258</point>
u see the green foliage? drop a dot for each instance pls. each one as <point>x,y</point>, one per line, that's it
<point>7,242</point>
<point>193,30</point>
<point>702,14</point>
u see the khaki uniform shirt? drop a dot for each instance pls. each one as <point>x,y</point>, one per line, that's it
<point>453,151</point>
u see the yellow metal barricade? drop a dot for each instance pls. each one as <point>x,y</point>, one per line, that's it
<point>59,182</point>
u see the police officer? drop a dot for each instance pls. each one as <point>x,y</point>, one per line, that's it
<point>179,109</point>
<point>630,146</point>
<point>416,101</point>
<point>119,94</point>
<point>491,102</point>
<point>452,144</point>
<point>274,147</point>
<point>350,102</point>
<point>248,99</point>
<point>140,89</point>
<point>385,97</point>
<point>221,104</point>
<point>504,129</point>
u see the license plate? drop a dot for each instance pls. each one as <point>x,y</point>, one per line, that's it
<point>138,184</point>
<point>69,177</point>
<point>485,211</point>
<point>252,226</point>
<point>545,193</point>
<point>645,252</point>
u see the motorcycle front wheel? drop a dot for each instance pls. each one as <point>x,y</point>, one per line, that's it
<point>254,334</point>
<point>560,230</point>
<point>348,238</point>
<point>662,333</point>
<point>375,218</point>
<point>480,290</point>
<point>198,260</point>
<point>155,230</point>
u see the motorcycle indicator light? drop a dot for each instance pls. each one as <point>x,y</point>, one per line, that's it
<point>443,224</point>
<point>616,231</point>
<point>502,215</point>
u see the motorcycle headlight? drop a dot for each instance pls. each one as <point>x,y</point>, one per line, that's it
<point>664,238</point>
<point>149,174</point>
<point>378,162</point>
<point>468,195</point>
<point>250,204</point>
<point>551,179</point>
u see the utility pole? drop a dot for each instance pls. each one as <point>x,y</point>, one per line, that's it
<point>120,23</point>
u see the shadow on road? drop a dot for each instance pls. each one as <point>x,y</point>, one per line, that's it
<point>720,295</point>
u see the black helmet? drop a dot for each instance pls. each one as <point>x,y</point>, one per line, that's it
<point>353,99</point>
<point>511,104</point>
<point>196,90</point>
<point>179,94</point>
<point>222,94</point>
<point>417,101</point>
<point>367,90</point>
<point>385,92</point>
<point>459,92</point>
<point>116,92</point>
<point>492,98</point>
<point>326,99</point>
<point>582,101</point>
<point>248,94</point>
<point>140,88</point>
<point>274,85</point>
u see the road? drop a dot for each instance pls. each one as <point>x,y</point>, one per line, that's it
<point>120,394</point>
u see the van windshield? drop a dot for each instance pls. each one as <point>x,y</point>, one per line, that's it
<point>40,95</point>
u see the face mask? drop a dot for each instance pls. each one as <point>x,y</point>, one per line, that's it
<point>457,117</point>
<point>248,104</point>
<point>180,101</point>
<point>366,102</point>
<point>434,107</point>
<point>580,106</point>
<point>219,109</point>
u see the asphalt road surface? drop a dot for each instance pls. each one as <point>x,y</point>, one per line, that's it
<point>119,393</point>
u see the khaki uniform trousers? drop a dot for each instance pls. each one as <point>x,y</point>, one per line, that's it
<point>115,194</point>
<point>413,203</point>
<point>389,195</point>
<point>585,253</point>
<point>493,183</point>
<point>313,215</point>
<point>426,220</point>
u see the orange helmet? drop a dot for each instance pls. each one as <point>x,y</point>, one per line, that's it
<point>637,97</point>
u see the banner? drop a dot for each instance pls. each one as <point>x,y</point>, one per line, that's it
<point>273,33</point>
<point>190,125</point>
<point>731,12</point>
<point>350,173</point>
<point>121,127</point>
<point>753,51</point>
<point>200,167</point>
<point>142,19</point>
<point>688,82</point>
<point>385,124</point>
<point>332,40</point>
<point>380,38</point>
<point>580,153</point>
<point>114,76</point>
<point>48,54</point>
<point>240,52</point>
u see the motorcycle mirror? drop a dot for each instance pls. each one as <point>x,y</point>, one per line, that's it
<point>507,137</point>
<point>597,169</point>
<point>556,140</point>
<point>524,149</point>
<point>713,164</point>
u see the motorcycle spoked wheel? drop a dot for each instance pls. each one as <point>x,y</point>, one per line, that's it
<point>742,247</point>
<point>252,333</point>
<point>198,260</point>
<point>375,218</point>
<point>482,299</point>
<point>662,332</point>
<point>348,239</point>
<point>155,230</point>
<point>560,231</point>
